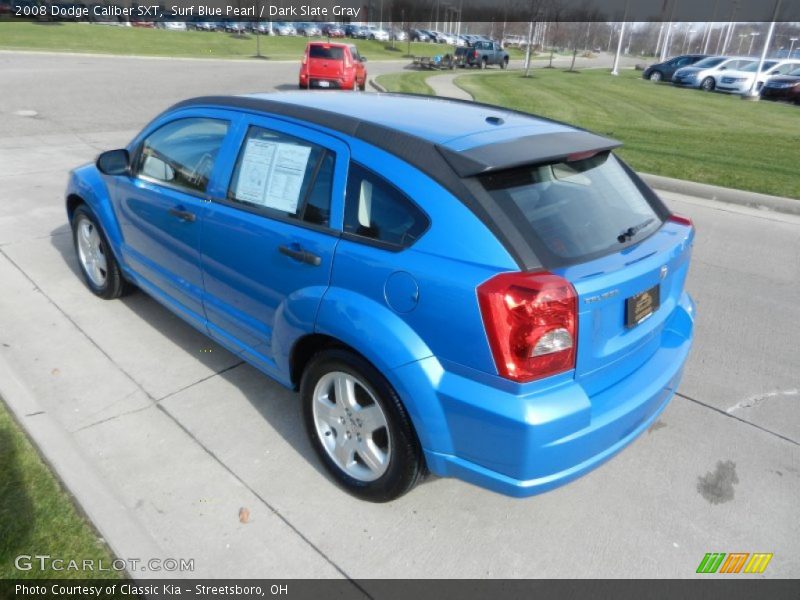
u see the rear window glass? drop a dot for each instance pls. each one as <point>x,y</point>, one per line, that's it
<point>574,211</point>
<point>330,52</point>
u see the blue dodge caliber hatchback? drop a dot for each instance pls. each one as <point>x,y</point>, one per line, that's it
<point>452,287</point>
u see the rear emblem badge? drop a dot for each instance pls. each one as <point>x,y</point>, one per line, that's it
<point>664,271</point>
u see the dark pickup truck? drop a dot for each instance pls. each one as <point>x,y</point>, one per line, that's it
<point>482,54</point>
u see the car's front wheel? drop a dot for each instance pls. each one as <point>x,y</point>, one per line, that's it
<point>655,76</point>
<point>98,265</point>
<point>708,84</point>
<point>359,427</point>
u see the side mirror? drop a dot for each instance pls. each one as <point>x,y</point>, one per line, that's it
<point>723,68</point>
<point>363,59</point>
<point>114,162</point>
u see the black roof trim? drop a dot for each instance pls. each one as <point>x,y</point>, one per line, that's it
<point>532,149</point>
<point>440,164</point>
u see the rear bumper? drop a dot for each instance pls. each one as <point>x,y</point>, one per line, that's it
<point>521,445</point>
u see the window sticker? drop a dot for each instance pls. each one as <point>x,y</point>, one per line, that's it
<point>272,174</point>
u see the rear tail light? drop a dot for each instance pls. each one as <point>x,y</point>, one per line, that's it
<point>474,54</point>
<point>682,220</point>
<point>531,320</point>
<point>305,59</point>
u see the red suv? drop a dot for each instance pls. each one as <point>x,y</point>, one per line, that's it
<point>333,66</point>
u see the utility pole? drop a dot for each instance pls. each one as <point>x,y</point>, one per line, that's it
<point>754,92</point>
<point>615,70</point>
<point>658,41</point>
<point>710,28</point>
<point>528,49</point>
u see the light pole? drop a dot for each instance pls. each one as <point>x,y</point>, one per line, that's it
<point>741,41</point>
<point>615,70</point>
<point>753,93</point>
<point>752,39</point>
<point>687,40</point>
<point>791,46</point>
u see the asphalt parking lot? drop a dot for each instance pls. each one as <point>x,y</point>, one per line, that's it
<point>182,434</point>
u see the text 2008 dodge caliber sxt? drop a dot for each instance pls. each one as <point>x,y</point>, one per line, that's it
<point>452,287</point>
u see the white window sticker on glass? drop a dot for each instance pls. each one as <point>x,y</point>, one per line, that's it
<point>272,174</point>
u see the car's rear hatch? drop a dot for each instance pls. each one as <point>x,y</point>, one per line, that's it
<point>613,340</point>
<point>325,61</point>
<point>588,220</point>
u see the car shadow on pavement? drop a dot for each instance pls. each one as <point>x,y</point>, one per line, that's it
<point>279,406</point>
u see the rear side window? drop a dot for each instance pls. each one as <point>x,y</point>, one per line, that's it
<point>376,210</point>
<point>181,153</point>
<point>283,176</point>
<point>329,52</point>
<point>574,211</point>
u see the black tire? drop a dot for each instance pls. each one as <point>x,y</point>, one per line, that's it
<point>405,462</point>
<point>504,64</point>
<point>302,87</point>
<point>115,285</point>
<point>484,63</point>
<point>656,76</point>
<point>363,85</point>
<point>708,84</point>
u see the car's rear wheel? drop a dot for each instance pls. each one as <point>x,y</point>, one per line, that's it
<point>359,427</point>
<point>484,63</point>
<point>656,76</point>
<point>504,64</point>
<point>363,85</point>
<point>708,84</point>
<point>98,265</point>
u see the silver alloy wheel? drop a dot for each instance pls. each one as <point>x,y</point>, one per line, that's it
<point>91,252</point>
<point>351,426</point>
<point>655,76</point>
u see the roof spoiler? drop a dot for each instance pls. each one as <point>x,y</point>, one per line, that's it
<point>532,149</point>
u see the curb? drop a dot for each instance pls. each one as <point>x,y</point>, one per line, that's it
<point>722,194</point>
<point>378,87</point>
<point>120,529</point>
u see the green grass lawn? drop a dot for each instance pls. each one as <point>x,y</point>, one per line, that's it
<point>686,134</point>
<point>103,39</point>
<point>36,515</point>
<point>413,82</point>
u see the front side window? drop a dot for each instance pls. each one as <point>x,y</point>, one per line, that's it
<point>283,176</point>
<point>378,211</point>
<point>573,211</point>
<point>181,154</point>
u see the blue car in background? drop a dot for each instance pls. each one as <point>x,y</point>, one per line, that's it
<point>452,287</point>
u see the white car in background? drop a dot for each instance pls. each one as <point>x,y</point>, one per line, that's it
<point>172,25</point>
<point>739,81</point>
<point>705,74</point>
<point>376,33</point>
<point>443,38</point>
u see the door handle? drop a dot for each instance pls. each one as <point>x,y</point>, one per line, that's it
<point>184,215</point>
<point>301,255</point>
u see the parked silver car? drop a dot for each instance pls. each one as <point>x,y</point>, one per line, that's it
<point>705,74</point>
